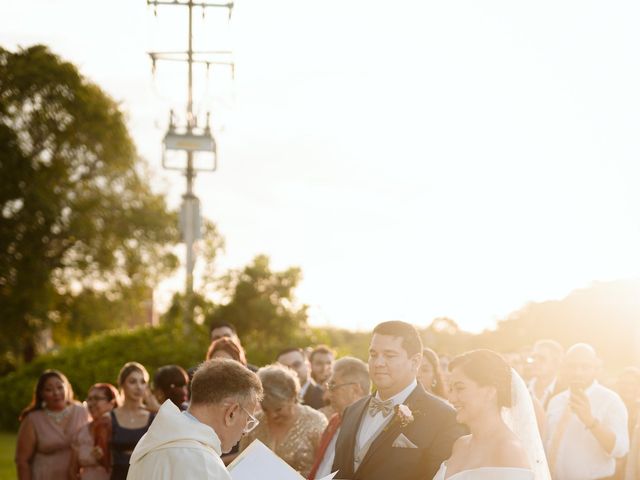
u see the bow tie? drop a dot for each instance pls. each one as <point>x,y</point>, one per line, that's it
<point>376,405</point>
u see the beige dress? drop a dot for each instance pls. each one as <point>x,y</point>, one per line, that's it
<point>299,446</point>
<point>52,456</point>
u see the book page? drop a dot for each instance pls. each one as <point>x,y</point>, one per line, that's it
<point>257,461</point>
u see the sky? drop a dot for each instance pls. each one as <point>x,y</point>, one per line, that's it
<point>415,159</point>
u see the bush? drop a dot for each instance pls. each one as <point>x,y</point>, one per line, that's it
<point>99,359</point>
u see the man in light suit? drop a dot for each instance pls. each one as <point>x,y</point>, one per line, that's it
<point>401,432</point>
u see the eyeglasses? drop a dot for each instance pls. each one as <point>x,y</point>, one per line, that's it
<point>332,386</point>
<point>252,422</point>
<point>92,398</point>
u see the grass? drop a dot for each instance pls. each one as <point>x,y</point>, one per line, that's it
<point>7,450</point>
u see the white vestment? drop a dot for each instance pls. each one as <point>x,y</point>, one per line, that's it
<point>177,447</point>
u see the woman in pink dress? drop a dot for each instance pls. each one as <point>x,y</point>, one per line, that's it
<point>91,458</point>
<point>48,425</point>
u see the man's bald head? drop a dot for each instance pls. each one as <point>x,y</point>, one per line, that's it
<point>581,350</point>
<point>581,364</point>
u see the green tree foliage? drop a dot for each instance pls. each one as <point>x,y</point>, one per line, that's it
<point>261,304</point>
<point>344,342</point>
<point>100,357</point>
<point>444,336</point>
<point>77,217</point>
<point>210,246</point>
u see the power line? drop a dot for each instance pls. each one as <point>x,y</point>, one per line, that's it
<point>190,138</point>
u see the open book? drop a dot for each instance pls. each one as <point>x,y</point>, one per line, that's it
<point>257,461</point>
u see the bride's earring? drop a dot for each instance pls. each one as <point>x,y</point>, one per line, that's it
<point>43,404</point>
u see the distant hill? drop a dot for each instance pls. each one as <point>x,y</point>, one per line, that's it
<point>605,314</point>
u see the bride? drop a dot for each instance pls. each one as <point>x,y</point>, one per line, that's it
<point>493,401</point>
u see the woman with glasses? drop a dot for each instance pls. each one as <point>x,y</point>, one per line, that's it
<point>47,427</point>
<point>289,429</point>
<point>91,459</point>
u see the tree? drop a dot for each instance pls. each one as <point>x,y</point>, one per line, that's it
<point>444,336</point>
<point>604,314</point>
<point>261,304</point>
<point>208,247</point>
<point>76,212</point>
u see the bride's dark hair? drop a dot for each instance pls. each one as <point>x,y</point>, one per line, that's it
<point>486,368</point>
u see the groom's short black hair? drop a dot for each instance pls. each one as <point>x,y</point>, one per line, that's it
<point>411,341</point>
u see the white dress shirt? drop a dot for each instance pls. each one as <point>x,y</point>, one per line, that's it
<point>324,468</point>
<point>546,393</point>
<point>580,456</point>
<point>370,425</point>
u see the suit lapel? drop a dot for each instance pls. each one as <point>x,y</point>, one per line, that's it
<point>307,395</point>
<point>351,430</point>
<point>386,437</point>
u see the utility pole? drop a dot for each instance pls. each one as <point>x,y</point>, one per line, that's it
<point>189,138</point>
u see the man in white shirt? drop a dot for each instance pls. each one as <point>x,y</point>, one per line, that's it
<point>348,383</point>
<point>586,424</point>
<point>546,356</point>
<point>188,444</point>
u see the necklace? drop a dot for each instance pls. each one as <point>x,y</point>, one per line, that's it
<point>131,416</point>
<point>57,416</point>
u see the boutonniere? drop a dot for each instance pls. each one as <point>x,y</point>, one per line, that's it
<point>404,415</point>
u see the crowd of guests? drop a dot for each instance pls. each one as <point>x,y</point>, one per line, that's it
<point>589,426</point>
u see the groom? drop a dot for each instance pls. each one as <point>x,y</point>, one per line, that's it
<point>379,438</point>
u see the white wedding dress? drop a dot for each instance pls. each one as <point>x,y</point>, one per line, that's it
<point>487,473</point>
<point>521,419</point>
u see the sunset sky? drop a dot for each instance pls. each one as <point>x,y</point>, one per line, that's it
<point>415,159</point>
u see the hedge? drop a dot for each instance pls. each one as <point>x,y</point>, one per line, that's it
<point>99,359</point>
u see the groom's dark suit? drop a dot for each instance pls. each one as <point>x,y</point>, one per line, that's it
<point>433,431</point>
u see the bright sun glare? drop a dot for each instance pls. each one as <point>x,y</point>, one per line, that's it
<point>421,160</point>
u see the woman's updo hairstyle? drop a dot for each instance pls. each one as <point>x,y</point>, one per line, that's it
<point>486,368</point>
<point>280,384</point>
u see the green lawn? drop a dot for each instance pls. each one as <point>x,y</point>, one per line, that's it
<point>7,449</point>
